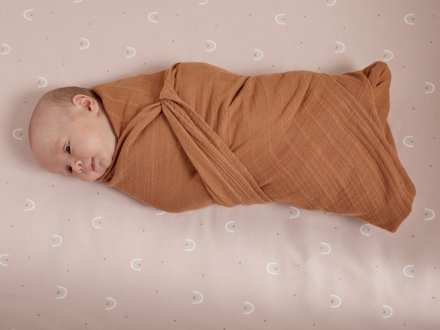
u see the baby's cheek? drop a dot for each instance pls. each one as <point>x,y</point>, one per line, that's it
<point>93,145</point>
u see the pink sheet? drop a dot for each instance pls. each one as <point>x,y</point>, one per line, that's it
<point>76,255</point>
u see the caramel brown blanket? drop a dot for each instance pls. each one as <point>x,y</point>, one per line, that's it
<point>197,134</point>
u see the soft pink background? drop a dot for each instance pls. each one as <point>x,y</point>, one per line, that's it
<point>76,255</point>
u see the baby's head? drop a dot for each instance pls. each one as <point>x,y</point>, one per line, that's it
<point>70,133</point>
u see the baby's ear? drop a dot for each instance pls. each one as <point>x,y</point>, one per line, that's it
<point>85,102</point>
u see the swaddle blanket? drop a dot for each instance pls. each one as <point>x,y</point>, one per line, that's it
<point>197,134</point>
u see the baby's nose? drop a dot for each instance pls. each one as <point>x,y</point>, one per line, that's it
<point>77,166</point>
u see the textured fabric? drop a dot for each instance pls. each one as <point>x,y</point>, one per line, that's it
<point>197,134</point>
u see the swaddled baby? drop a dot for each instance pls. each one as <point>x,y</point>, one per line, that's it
<point>196,134</point>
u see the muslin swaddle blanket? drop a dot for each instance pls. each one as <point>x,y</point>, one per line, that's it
<point>197,134</point>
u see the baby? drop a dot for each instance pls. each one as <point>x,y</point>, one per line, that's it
<point>196,134</point>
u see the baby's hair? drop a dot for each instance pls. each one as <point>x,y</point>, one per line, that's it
<point>63,96</point>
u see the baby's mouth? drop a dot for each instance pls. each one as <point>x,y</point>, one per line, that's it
<point>93,164</point>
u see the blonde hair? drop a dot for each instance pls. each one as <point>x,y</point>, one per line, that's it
<point>63,96</point>
<point>59,99</point>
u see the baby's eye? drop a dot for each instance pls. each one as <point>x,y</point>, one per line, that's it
<point>68,148</point>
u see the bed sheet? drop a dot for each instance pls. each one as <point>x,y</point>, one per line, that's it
<point>77,255</point>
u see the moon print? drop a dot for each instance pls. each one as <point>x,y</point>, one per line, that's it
<point>272,268</point>
<point>197,297</point>
<point>160,213</point>
<point>136,265</point>
<point>61,292</point>
<point>432,216</point>
<point>28,14</point>
<point>4,259</point>
<point>153,17</point>
<point>387,55</point>
<point>406,143</point>
<point>97,223</point>
<point>408,271</point>
<point>203,2</point>
<point>230,226</point>
<point>429,87</point>
<point>336,301</point>
<point>409,19</point>
<point>248,308</point>
<point>5,49</point>
<point>325,248</point>
<point>110,303</point>
<point>29,205</point>
<point>339,47</point>
<point>190,245</point>
<point>387,311</point>
<point>130,52</point>
<point>280,19</point>
<point>77,1</point>
<point>42,82</point>
<point>330,3</point>
<point>294,213</point>
<point>210,45</point>
<point>365,230</point>
<point>57,240</point>
<point>18,133</point>
<point>84,43</point>
<point>258,54</point>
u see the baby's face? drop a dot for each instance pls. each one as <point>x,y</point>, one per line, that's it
<point>78,143</point>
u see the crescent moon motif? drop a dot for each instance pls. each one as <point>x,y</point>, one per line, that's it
<point>325,248</point>
<point>272,268</point>
<point>4,259</point>
<point>406,143</point>
<point>28,14</point>
<point>77,1</point>
<point>57,240</point>
<point>61,292</point>
<point>29,205</point>
<point>280,19</point>
<point>230,226</point>
<point>294,212</point>
<point>210,46</point>
<point>337,299</point>
<point>160,213</point>
<point>190,245</point>
<point>5,49</point>
<point>204,2</point>
<point>429,87</point>
<point>330,3</point>
<point>339,47</point>
<point>18,133</point>
<point>84,43</point>
<point>408,271</point>
<point>409,19</point>
<point>432,216</point>
<point>387,311</point>
<point>97,223</point>
<point>248,308</point>
<point>388,55</point>
<point>135,264</point>
<point>153,17</point>
<point>365,229</point>
<point>258,54</point>
<point>110,303</point>
<point>197,297</point>
<point>42,82</point>
<point>130,52</point>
